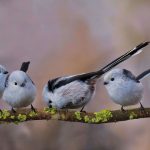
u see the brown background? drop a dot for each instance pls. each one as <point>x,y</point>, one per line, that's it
<point>62,37</point>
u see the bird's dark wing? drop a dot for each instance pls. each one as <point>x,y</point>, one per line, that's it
<point>129,75</point>
<point>30,79</point>
<point>52,84</point>
<point>61,81</point>
<point>6,81</point>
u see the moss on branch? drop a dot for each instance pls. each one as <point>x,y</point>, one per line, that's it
<point>103,116</point>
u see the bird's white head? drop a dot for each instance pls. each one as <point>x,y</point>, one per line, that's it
<point>118,75</point>
<point>113,75</point>
<point>17,79</point>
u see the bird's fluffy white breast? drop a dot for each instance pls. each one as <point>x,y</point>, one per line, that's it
<point>17,96</point>
<point>124,92</point>
<point>3,78</point>
<point>70,93</point>
<point>2,83</point>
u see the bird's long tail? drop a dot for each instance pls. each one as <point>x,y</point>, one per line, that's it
<point>143,74</point>
<point>25,66</point>
<point>97,74</point>
<point>122,58</point>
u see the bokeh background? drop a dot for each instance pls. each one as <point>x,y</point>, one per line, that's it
<point>64,37</point>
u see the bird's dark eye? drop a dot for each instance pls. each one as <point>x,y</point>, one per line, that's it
<point>112,79</point>
<point>15,83</point>
<point>50,101</point>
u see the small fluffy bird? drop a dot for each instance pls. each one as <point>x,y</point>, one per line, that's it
<point>76,91</point>
<point>20,90</point>
<point>3,77</point>
<point>124,88</point>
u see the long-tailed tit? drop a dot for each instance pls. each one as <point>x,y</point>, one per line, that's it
<point>3,77</point>
<point>76,91</point>
<point>20,90</point>
<point>124,88</point>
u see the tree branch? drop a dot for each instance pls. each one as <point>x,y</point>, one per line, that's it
<point>104,116</point>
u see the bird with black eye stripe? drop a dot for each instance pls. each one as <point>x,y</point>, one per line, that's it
<point>124,88</point>
<point>20,91</point>
<point>71,92</point>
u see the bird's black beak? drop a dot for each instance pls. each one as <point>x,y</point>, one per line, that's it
<point>23,85</point>
<point>105,83</point>
<point>5,72</point>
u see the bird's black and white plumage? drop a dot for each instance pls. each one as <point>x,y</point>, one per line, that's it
<point>123,87</point>
<point>77,90</point>
<point>3,77</point>
<point>72,95</point>
<point>20,90</point>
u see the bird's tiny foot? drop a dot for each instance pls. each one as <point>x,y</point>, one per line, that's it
<point>1,111</point>
<point>142,109</point>
<point>83,111</point>
<point>13,110</point>
<point>122,109</point>
<point>50,106</point>
<point>141,106</point>
<point>32,108</point>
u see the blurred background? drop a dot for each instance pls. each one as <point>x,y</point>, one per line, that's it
<point>64,37</point>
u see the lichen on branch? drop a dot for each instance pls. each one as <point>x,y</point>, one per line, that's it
<point>103,116</point>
